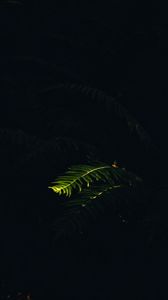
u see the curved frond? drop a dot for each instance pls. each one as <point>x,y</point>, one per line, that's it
<point>110,103</point>
<point>99,187</point>
<point>21,151</point>
<point>84,175</point>
<point>57,153</point>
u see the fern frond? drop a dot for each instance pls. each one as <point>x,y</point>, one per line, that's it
<point>110,103</point>
<point>91,204</point>
<point>56,154</point>
<point>20,152</point>
<point>84,175</point>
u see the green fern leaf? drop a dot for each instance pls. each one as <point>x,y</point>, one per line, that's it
<point>84,175</point>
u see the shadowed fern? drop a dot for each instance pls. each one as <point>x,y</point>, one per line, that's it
<point>20,151</point>
<point>103,100</point>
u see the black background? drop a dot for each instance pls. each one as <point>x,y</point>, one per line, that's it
<point>120,48</point>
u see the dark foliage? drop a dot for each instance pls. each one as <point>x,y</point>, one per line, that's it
<point>77,92</point>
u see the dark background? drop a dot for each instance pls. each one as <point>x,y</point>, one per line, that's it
<point>120,49</point>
